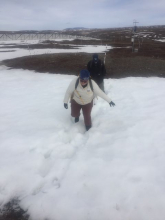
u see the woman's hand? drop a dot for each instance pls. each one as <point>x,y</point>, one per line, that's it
<point>66,105</point>
<point>112,104</point>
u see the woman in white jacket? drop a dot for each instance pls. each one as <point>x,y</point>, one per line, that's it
<point>83,90</point>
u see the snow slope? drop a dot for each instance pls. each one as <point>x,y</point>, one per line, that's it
<point>60,171</point>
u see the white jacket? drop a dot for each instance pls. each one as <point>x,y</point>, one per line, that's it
<point>85,95</point>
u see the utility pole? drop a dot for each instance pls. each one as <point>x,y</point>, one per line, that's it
<point>132,41</point>
<point>105,54</point>
<point>133,37</point>
<point>134,25</point>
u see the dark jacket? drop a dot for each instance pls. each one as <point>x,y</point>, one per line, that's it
<point>97,70</point>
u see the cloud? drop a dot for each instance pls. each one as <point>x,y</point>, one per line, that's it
<point>53,14</point>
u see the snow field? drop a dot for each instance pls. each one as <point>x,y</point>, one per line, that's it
<point>60,171</point>
<point>10,53</point>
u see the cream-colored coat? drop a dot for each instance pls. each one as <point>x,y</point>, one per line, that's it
<point>85,95</point>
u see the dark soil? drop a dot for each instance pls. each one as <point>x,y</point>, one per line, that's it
<point>49,45</point>
<point>120,61</point>
<point>6,51</point>
<point>12,211</point>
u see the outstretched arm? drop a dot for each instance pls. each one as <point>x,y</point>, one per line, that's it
<point>101,94</point>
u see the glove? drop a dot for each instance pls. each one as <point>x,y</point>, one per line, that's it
<point>112,104</point>
<point>66,105</point>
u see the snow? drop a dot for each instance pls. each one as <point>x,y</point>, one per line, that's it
<point>162,40</point>
<point>17,52</point>
<point>60,171</point>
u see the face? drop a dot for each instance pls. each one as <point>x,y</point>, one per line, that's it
<point>83,82</point>
<point>95,60</point>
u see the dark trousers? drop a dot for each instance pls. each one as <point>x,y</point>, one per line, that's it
<point>86,109</point>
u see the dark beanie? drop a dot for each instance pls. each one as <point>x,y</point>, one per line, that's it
<point>95,56</point>
<point>84,74</point>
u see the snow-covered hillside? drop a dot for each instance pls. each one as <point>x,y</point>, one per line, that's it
<point>60,171</point>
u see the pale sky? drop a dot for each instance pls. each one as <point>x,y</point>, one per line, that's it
<point>61,14</point>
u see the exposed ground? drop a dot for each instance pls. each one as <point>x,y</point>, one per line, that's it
<point>12,211</point>
<point>121,61</point>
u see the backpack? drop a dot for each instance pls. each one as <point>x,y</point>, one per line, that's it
<point>77,82</point>
<point>90,83</point>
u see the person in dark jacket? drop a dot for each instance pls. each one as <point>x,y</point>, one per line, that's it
<point>97,70</point>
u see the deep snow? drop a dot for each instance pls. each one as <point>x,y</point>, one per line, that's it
<point>60,171</point>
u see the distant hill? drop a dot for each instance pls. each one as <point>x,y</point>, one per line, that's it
<point>75,28</point>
